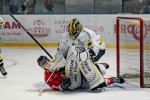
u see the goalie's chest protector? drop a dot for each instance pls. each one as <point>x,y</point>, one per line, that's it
<point>81,39</point>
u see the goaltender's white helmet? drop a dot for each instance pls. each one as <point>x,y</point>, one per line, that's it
<point>1,21</point>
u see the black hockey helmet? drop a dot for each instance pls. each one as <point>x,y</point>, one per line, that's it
<point>42,60</point>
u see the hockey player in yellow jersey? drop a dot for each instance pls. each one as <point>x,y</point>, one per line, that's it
<point>4,73</point>
<point>1,58</point>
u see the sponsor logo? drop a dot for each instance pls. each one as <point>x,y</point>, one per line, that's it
<point>75,71</point>
<point>11,29</point>
<point>93,76</point>
<point>39,29</point>
<point>133,29</point>
<point>83,68</point>
<point>39,32</point>
<point>71,69</point>
<point>11,25</point>
<point>87,66</point>
<point>61,25</point>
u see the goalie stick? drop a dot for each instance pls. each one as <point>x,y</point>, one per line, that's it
<point>31,36</point>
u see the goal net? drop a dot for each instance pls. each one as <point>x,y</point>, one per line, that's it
<point>133,49</point>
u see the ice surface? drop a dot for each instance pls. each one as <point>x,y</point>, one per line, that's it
<point>24,73</point>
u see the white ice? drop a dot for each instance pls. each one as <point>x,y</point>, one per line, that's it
<point>23,73</point>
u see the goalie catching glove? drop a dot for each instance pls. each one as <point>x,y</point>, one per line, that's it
<point>52,64</point>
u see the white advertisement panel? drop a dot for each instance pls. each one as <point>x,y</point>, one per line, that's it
<point>49,28</point>
<point>39,27</point>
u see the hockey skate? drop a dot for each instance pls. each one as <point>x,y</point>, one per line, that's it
<point>119,80</point>
<point>4,73</point>
<point>2,69</point>
<point>99,88</point>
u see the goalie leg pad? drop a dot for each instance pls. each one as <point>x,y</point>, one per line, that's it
<point>88,69</point>
<point>91,73</point>
<point>72,71</point>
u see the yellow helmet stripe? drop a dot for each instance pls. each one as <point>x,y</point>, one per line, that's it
<point>74,24</point>
<point>70,25</point>
<point>1,57</point>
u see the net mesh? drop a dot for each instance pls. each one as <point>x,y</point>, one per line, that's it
<point>147,51</point>
<point>129,31</point>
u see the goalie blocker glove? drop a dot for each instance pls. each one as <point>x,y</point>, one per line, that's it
<point>46,63</point>
<point>52,64</point>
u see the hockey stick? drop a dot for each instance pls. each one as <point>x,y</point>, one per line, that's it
<point>41,90</point>
<point>31,36</point>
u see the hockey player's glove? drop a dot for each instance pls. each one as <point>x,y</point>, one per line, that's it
<point>65,84</point>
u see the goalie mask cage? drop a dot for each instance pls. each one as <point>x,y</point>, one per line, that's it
<point>133,49</point>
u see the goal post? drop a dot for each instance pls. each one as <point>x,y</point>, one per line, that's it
<point>133,49</point>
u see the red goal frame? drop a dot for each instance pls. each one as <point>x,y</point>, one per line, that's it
<point>141,47</point>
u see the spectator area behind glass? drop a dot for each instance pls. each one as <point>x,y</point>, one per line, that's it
<point>75,6</point>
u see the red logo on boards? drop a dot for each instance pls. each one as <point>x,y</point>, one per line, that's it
<point>39,29</point>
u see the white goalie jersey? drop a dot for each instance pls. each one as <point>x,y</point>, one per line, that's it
<point>70,48</point>
<point>87,38</point>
